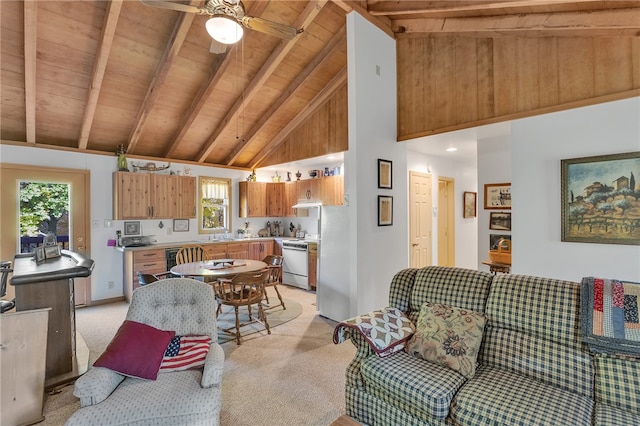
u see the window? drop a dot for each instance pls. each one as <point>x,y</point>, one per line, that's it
<point>44,209</point>
<point>214,205</point>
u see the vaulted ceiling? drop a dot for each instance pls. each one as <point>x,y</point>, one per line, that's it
<point>92,75</point>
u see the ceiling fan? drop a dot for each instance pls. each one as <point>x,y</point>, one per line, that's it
<point>228,19</point>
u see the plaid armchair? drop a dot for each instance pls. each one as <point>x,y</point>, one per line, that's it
<point>190,397</point>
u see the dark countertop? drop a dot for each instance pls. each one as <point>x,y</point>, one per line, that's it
<point>68,265</point>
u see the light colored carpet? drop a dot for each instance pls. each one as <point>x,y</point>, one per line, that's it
<point>295,376</point>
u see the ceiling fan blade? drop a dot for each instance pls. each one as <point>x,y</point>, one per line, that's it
<point>269,27</point>
<point>174,6</point>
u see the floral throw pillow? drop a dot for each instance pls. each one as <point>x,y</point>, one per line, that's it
<point>448,336</point>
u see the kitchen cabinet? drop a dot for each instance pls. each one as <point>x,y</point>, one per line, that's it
<point>309,190</point>
<point>151,261</point>
<point>332,190</point>
<point>216,251</point>
<point>259,249</point>
<point>187,191</point>
<point>238,250</point>
<point>164,196</point>
<point>131,195</point>
<point>275,199</point>
<point>253,199</point>
<point>145,196</point>
<point>290,198</point>
<point>313,265</point>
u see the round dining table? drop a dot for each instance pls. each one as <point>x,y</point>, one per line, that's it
<point>217,268</point>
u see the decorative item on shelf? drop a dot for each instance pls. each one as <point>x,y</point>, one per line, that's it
<point>313,173</point>
<point>240,233</point>
<point>263,233</point>
<point>161,225</point>
<point>326,171</point>
<point>252,176</point>
<point>187,171</point>
<point>276,177</point>
<point>122,159</point>
<point>151,167</point>
<point>288,176</point>
<point>503,253</point>
<point>298,175</point>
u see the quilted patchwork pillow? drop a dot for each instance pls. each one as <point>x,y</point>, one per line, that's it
<point>448,336</point>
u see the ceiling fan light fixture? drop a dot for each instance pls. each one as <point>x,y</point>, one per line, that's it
<point>224,29</point>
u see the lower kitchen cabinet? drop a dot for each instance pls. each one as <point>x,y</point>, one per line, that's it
<point>216,251</point>
<point>238,250</point>
<point>148,262</point>
<point>259,249</point>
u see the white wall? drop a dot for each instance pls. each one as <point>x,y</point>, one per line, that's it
<point>465,179</point>
<point>494,166</point>
<point>537,146</point>
<point>378,252</point>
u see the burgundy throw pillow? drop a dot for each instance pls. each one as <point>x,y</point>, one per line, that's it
<point>136,350</point>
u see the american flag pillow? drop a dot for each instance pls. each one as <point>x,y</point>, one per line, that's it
<point>185,352</point>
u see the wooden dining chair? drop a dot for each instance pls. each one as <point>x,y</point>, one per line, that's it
<point>244,289</point>
<point>194,253</point>
<point>274,264</point>
<point>144,279</point>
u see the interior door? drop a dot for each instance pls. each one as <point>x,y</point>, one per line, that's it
<point>79,241</point>
<point>446,222</point>
<point>420,222</point>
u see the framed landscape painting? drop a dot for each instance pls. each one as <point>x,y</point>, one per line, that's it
<point>601,199</point>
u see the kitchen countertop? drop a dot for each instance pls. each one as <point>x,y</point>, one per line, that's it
<point>205,242</point>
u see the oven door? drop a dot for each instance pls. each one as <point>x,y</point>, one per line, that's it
<point>295,267</point>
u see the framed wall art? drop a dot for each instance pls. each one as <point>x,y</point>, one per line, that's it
<point>39,254</point>
<point>600,199</point>
<point>51,252</point>
<point>180,225</point>
<point>384,174</point>
<point>469,204</point>
<point>500,221</point>
<point>132,228</point>
<point>495,238</point>
<point>385,210</point>
<point>497,196</point>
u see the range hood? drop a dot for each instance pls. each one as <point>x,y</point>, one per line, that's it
<point>306,204</point>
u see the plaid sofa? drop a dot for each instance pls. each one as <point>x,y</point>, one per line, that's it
<point>533,367</point>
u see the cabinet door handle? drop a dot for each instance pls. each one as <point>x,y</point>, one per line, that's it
<point>414,245</point>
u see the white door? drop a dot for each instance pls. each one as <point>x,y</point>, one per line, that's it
<point>420,222</point>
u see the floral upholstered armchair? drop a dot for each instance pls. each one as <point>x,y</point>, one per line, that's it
<point>150,373</point>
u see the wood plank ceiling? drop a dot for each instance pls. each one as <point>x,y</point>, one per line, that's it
<point>92,75</point>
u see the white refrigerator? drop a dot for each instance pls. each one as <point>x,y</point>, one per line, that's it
<point>332,292</point>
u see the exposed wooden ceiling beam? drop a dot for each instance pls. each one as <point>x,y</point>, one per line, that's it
<point>336,42</point>
<point>178,35</point>
<point>381,22</point>
<point>307,16</point>
<point>102,56</point>
<point>469,8</point>
<point>200,100</point>
<point>595,23</point>
<point>329,90</point>
<point>30,37</point>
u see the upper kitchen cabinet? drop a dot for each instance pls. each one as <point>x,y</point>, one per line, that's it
<point>145,196</point>
<point>275,200</point>
<point>187,189</point>
<point>332,190</point>
<point>290,198</point>
<point>253,199</point>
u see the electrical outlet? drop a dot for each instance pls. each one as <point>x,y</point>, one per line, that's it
<point>110,284</point>
<point>108,223</point>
